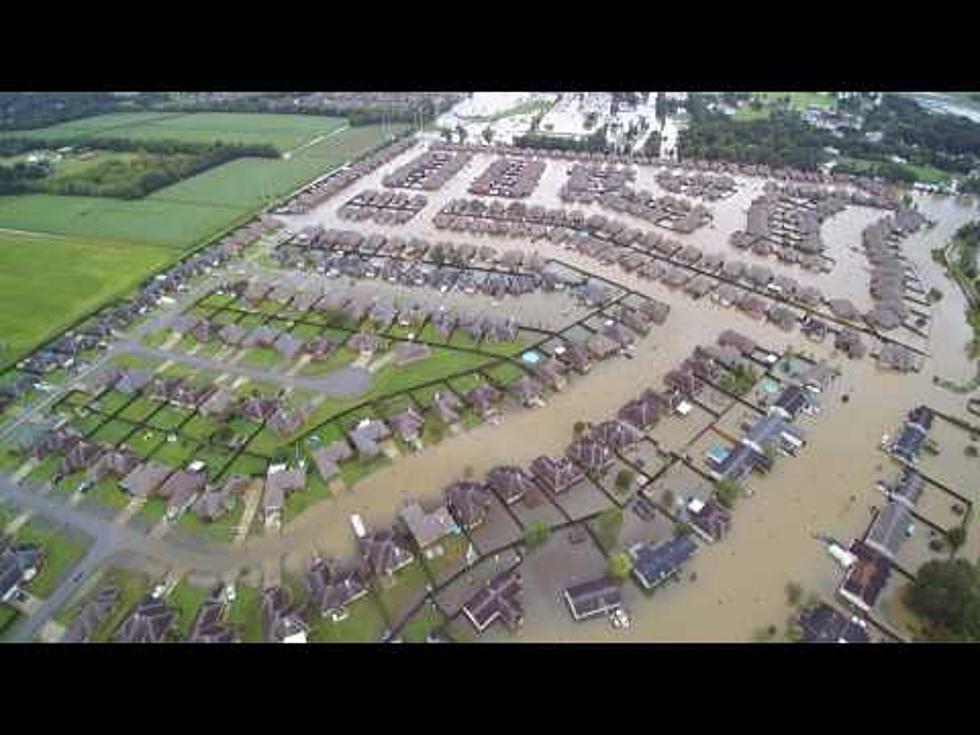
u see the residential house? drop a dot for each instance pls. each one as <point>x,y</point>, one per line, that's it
<point>279,482</point>
<point>325,459</point>
<point>384,552</point>
<point>891,526</point>
<point>596,597</point>
<point>145,479</point>
<point>866,578</point>
<point>407,425</point>
<point>654,564</point>
<point>209,625</point>
<point>427,527</point>
<point>180,489</point>
<point>824,624</point>
<point>281,620</point>
<point>510,483</point>
<point>555,474</point>
<point>215,502</point>
<point>500,599</point>
<point>709,519</point>
<point>366,437</point>
<point>86,622</point>
<point>445,405</point>
<point>469,502</point>
<point>149,622</point>
<point>19,563</point>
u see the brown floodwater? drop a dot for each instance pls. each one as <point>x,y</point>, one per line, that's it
<point>740,582</point>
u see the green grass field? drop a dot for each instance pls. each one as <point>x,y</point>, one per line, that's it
<point>282,131</point>
<point>109,245</point>
<point>47,282</point>
<point>60,554</point>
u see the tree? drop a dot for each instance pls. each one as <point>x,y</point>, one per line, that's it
<point>536,533</point>
<point>956,536</point>
<point>461,133</point>
<point>727,490</point>
<point>624,479</point>
<point>668,498</point>
<point>447,134</point>
<point>488,134</point>
<point>794,593</point>
<point>607,526</point>
<point>579,428</point>
<point>947,595</point>
<point>619,566</point>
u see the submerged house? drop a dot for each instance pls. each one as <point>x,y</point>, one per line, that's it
<point>469,502</point>
<point>510,483</point>
<point>556,475</point>
<point>654,564</point>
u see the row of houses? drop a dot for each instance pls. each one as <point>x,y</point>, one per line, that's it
<point>669,212</point>
<point>19,564</point>
<point>496,283</point>
<point>429,171</point>
<point>878,193</point>
<point>512,178</point>
<point>385,208</point>
<point>586,183</point>
<point>890,276</point>
<point>697,185</point>
<point>325,187</point>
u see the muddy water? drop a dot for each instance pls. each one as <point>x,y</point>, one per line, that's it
<point>740,583</point>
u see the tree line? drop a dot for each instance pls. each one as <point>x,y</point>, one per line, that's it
<point>594,143</point>
<point>29,110</point>
<point>159,164</point>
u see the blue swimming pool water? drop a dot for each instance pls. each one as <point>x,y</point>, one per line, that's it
<point>531,357</point>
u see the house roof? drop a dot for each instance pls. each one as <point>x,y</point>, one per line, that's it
<point>384,552</point>
<point>148,622</point>
<point>500,598</point>
<point>146,478</point>
<point>469,502</point>
<point>654,563</point>
<point>889,529</point>
<point>592,598</point>
<point>427,527</point>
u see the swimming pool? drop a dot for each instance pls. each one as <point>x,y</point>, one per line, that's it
<point>531,358</point>
<point>768,385</point>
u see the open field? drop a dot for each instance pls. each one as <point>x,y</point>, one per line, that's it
<point>46,282</point>
<point>798,101</point>
<point>177,225</point>
<point>250,182</point>
<point>282,131</point>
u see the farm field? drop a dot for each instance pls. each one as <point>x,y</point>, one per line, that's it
<point>176,225</point>
<point>102,248</point>
<point>282,131</point>
<point>249,182</point>
<point>46,282</point>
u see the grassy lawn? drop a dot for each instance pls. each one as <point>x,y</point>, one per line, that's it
<point>45,470</point>
<point>108,494</point>
<point>8,616</point>
<point>113,400</point>
<point>187,600</point>
<point>176,454</point>
<point>145,442</point>
<point>441,364</point>
<point>169,418</point>
<point>152,511</point>
<point>214,457</point>
<point>113,431</point>
<point>506,373</point>
<point>220,530</point>
<point>261,357</point>
<point>265,442</point>
<point>131,585</point>
<point>61,552</point>
<point>248,466</point>
<point>246,613</point>
<point>282,131</point>
<point>200,427</point>
<point>139,410</point>
<point>364,624</point>
<point>465,383</point>
<point>337,359</point>
<point>422,623</point>
<point>78,274</point>
<point>400,591</point>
